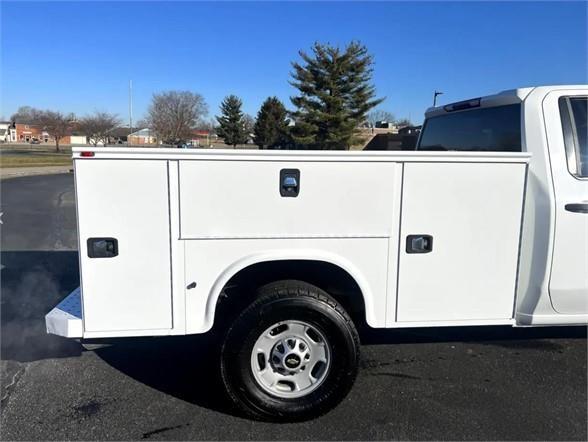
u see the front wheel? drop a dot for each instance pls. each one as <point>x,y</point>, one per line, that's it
<point>291,355</point>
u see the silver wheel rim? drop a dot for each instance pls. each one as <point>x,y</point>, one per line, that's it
<point>290,359</point>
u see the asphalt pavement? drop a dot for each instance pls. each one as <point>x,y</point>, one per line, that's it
<point>484,383</point>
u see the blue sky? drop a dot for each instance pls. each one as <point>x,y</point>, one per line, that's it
<point>79,57</point>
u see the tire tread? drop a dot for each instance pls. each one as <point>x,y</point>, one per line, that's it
<point>275,291</point>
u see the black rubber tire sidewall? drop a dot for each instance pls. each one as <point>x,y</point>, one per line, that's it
<point>333,324</point>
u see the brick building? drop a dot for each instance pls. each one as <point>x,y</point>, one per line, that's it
<point>27,132</point>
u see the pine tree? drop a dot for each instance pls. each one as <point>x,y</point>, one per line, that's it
<point>271,127</point>
<point>335,95</point>
<point>231,122</point>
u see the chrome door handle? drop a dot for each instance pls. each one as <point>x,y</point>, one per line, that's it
<point>577,207</point>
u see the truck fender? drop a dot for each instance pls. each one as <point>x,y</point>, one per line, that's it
<point>284,255</point>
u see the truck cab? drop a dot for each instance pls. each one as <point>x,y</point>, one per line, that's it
<point>548,122</point>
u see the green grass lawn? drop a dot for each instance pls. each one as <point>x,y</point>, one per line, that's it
<point>34,160</point>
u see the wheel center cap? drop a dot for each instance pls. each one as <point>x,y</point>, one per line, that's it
<point>292,361</point>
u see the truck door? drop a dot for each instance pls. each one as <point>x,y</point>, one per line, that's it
<point>124,233</point>
<point>566,126</point>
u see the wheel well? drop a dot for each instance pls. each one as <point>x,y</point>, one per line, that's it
<point>239,291</point>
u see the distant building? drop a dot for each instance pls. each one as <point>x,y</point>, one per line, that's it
<point>142,137</point>
<point>202,138</point>
<point>7,132</point>
<point>75,139</point>
<point>119,135</point>
<point>392,128</point>
<point>27,132</point>
<point>410,130</point>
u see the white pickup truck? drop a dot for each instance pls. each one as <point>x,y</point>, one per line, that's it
<point>286,252</point>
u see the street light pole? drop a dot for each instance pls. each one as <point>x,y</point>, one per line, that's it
<point>130,112</point>
<point>435,97</point>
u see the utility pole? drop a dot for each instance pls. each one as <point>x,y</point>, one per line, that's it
<point>435,97</point>
<point>130,111</point>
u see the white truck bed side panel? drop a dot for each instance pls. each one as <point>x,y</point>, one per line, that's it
<point>200,217</point>
<point>211,264</point>
<point>473,212</point>
<point>241,199</point>
<point>127,200</point>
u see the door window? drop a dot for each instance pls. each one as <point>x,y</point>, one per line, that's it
<point>574,120</point>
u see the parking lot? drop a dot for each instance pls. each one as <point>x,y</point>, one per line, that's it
<point>485,383</point>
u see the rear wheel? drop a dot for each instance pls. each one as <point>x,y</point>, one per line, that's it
<point>291,355</point>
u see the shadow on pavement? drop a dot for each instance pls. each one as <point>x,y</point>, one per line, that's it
<point>185,367</point>
<point>33,282</point>
<point>504,336</point>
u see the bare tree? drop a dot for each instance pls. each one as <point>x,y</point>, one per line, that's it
<point>207,125</point>
<point>98,126</point>
<point>173,115</point>
<point>403,122</point>
<point>141,124</point>
<point>380,115</point>
<point>249,123</point>
<point>56,124</point>
<point>26,114</point>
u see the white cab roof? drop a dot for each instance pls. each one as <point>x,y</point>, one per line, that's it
<point>510,96</point>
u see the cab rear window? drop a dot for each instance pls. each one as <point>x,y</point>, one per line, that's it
<point>490,129</point>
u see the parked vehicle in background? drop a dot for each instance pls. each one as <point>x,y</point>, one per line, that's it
<point>287,252</point>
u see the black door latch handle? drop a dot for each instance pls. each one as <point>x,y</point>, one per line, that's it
<point>289,182</point>
<point>577,207</point>
<point>419,243</point>
<point>102,247</point>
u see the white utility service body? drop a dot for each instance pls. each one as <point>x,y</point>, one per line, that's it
<point>430,238</point>
<point>200,217</point>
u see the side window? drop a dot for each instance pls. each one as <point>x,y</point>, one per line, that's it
<point>574,120</point>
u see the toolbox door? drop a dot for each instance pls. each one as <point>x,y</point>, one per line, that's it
<point>124,235</point>
<point>459,241</point>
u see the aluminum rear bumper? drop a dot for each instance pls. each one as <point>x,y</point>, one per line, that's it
<point>66,318</point>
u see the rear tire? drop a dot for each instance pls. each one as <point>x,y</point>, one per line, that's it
<point>291,355</point>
